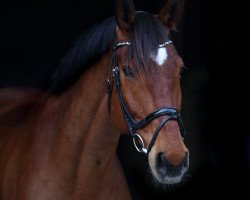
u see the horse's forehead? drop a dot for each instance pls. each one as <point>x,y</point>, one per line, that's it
<point>161,56</point>
<point>160,59</point>
<point>165,59</point>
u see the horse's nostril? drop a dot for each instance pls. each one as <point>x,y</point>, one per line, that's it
<point>160,160</point>
<point>165,168</point>
<point>161,164</point>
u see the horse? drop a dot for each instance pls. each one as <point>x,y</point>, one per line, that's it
<point>61,143</point>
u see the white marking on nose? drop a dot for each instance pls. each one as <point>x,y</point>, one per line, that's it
<point>161,56</point>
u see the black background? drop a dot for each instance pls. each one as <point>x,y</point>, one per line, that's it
<point>34,34</point>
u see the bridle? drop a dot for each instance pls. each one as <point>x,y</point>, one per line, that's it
<point>133,125</point>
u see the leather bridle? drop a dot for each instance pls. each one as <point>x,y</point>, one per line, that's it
<point>133,125</point>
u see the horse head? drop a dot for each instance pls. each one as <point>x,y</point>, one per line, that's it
<point>146,92</point>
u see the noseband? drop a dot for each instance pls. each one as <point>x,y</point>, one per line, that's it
<point>133,125</point>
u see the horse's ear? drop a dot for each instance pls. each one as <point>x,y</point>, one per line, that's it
<point>171,13</point>
<point>125,13</point>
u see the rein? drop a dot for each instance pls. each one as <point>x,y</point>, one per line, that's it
<point>133,125</point>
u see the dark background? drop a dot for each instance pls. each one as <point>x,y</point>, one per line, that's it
<point>34,34</point>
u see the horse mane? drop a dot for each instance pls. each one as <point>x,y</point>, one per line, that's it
<point>85,51</point>
<point>148,33</point>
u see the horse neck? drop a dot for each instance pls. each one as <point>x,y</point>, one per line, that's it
<point>81,134</point>
<point>82,103</point>
<point>86,114</point>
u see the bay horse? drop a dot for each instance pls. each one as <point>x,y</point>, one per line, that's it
<point>62,144</point>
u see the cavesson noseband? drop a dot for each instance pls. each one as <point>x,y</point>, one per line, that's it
<point>133,125</point>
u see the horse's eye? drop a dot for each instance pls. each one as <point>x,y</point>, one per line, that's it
<point>128,71</point>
